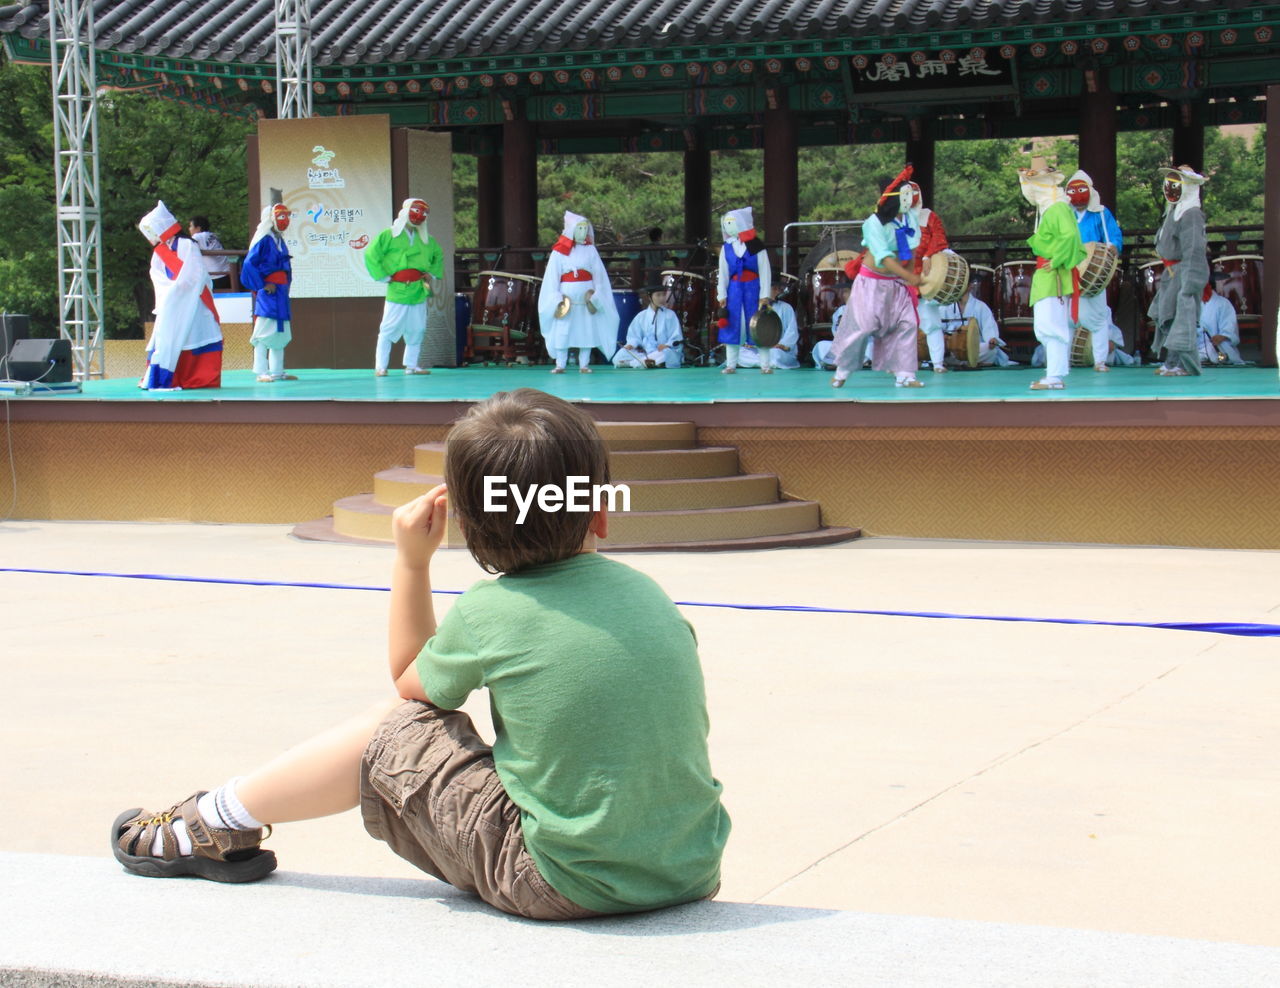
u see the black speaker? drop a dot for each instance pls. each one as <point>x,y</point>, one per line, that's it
<point>45,361</point>
<point>13,327</point>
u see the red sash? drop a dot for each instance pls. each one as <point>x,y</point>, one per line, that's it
<point>745,276</point>
<point>578,274</point>
<point>277,278</point>
<point>1042,263</point>
<point>173,263</point>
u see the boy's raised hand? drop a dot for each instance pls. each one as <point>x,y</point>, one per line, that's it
<point>419,526</point>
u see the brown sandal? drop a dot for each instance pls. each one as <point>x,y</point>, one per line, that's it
<point>216,854</point>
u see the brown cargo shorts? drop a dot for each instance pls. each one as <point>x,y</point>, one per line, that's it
<point>428,788</point>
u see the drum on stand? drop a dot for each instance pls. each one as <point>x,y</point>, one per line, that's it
<point>1241,284</point>
<point>821,291</point>
<point>504,317</point>
<point>982,283</point>
<point>687,298</point>
<point>629,306</point>
<point>461,322</point>
<point>1013,305</point>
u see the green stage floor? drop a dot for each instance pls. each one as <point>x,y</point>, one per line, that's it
<point>700,385</point>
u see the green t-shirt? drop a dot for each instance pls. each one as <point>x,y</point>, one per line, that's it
<point>1057,239</point>
<point>601,727</point>
<point>389,254</point>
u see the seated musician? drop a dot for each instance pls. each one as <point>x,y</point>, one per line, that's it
<point>953,316</point>
<point>654,338</point>
<point>1219,328</point>
<point>783,353</point>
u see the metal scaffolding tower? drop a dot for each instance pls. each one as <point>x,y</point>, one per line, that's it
<point>75,155</point>
<point>293,59</point>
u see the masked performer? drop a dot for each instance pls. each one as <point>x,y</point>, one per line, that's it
<point>880,305</point>
<point>575,303</point>
<point>920,235</point>
<point>1180,243</point>
<point>782,355</point>
<point>1096,225</point>
<point>406,258</point>
<point>266,271</point>
<point>185,350</point>
<point>745,279</point>
<point>1055,284</point>
<point>654,337</point>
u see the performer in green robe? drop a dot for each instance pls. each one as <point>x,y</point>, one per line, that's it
<point>406,258</point>
<point>1055,285</point>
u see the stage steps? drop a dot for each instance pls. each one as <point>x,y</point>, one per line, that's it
<point>683,498</point>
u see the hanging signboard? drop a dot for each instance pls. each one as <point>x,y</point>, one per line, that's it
<point>916,76</point>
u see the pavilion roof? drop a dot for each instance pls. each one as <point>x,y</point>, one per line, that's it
<point>387,32</point>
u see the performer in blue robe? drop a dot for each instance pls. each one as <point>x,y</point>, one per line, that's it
<point>267,272</point>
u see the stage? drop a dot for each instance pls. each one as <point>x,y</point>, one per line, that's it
<point>1122,457</point>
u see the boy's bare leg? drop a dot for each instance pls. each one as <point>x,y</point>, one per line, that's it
<point>318,777</point>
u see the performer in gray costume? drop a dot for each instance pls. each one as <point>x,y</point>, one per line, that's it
<point>1180,243</point>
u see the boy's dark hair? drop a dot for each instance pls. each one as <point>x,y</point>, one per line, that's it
<point>202,222</point>
<point>530,438</point>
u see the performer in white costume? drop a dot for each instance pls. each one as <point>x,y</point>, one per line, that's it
<point>1219,330</point>
<point>953,316</point>
<point>783,356</point>
<point>575,303</point>
<point>654,338</point>
<point>185,349</point>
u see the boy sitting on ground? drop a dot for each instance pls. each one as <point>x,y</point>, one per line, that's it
<point>597,796</point>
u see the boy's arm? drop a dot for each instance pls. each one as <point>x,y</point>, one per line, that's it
<point>419,528</point>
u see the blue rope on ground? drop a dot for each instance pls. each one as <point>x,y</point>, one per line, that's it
<point>1236,628</point>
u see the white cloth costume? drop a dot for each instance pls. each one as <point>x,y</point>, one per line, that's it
<point>182,319</point>
<point>574,269</point>
<point>749,356</point>
<point>650,329</point>
<point>953,316</point>
<point>400,320</point>
<point>1218,318</point>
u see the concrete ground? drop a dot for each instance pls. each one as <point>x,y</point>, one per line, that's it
<point>1109,779</point>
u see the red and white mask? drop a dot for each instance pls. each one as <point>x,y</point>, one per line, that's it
<point>909,197</point>
<point>418,211</point>
<point>1078,193</point>
<point>280,218</point>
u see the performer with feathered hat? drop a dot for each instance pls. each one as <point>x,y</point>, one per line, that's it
<point>879,306</point>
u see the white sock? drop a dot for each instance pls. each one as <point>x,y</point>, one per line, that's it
<point>907,376</point>
<point>219,808</point>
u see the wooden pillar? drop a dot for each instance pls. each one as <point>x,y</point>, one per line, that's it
<point>520,184</point>
<point>1098,134</point>
<point>255,182</point>
<point>1271,230</point>
<point>489,201</point>
<point>781,183</point>
<point>1188,136</point>
<point>920,152</point>
<point>697,194</point>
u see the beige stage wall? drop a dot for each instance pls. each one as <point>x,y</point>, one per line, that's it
<point>1208,487</point>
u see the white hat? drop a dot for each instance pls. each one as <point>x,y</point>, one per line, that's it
<point>157,223</point>
<point>742,217</point>
<point>571,221</point>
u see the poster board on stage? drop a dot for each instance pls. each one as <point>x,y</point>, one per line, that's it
<point>334,174</point>
<point>430,174</point>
